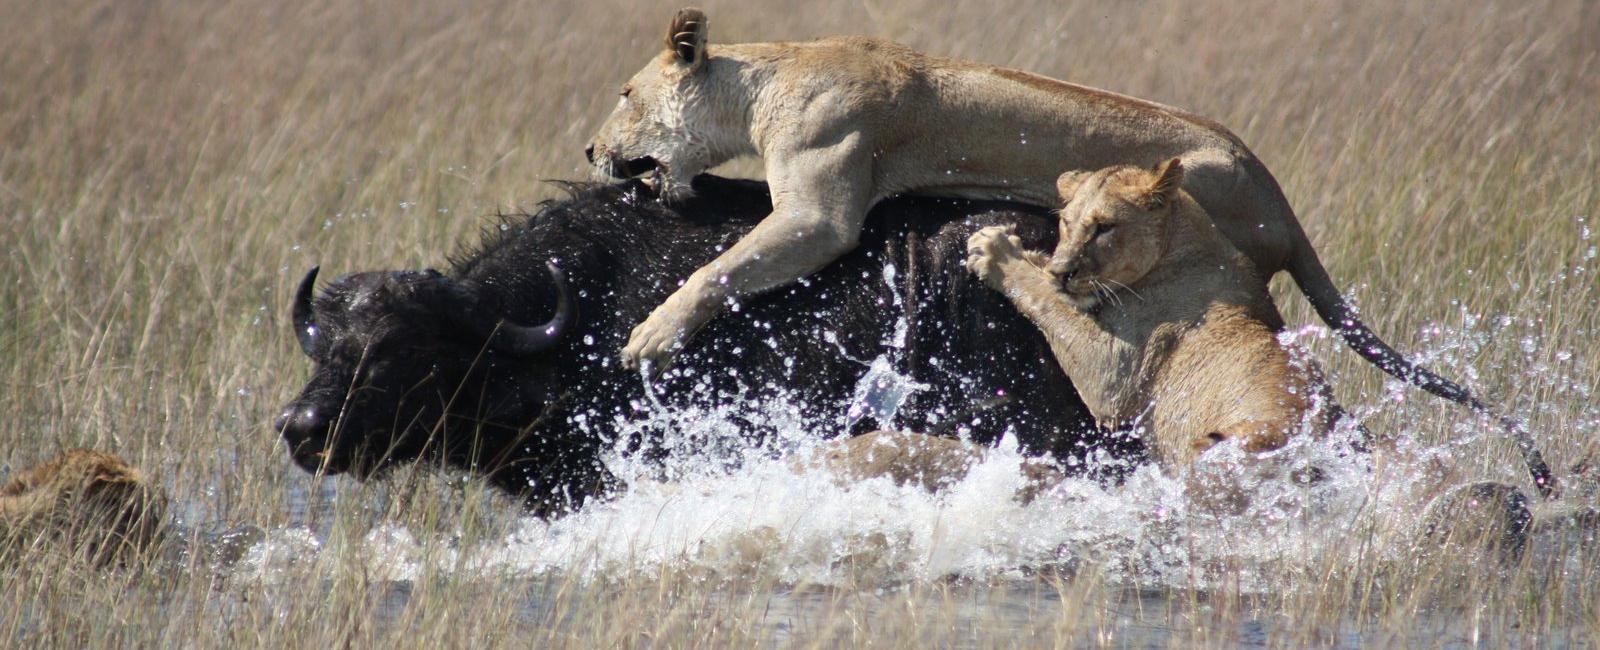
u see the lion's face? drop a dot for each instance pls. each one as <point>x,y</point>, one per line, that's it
<point>1114,230</point>
<point>653,128</point>
<point>666,119</point>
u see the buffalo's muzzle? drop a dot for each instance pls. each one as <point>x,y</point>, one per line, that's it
<point>305,429</point>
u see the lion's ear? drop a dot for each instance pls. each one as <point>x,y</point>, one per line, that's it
<point>686,37</point>
<point>1169,177</point>
<point>1067,184</point>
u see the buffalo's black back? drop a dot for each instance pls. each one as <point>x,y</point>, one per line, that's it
<point>625,252</point>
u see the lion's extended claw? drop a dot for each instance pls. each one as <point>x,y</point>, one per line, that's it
<point>659,338</point>
<point>651,343</point>
<point>988,249</point>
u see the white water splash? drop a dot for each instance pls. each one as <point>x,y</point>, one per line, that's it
<point>721,504</point>
<point>880,393</point>
<point>883,389</point>
<point>766,518</point>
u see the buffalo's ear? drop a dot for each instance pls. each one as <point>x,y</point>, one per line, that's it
<point>686,37</point>
<point>1168,178</point>
<point>1067,184</point>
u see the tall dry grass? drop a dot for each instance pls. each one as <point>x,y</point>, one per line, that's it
<point>168,169</point>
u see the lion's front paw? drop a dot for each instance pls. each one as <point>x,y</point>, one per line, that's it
<point>667,329</point>
<point>989,250</point>
<point>654,342</point>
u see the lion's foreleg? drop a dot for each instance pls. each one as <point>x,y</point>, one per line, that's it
<point>1084,350</point>
<point>996,256</point>
<point>820,198</point>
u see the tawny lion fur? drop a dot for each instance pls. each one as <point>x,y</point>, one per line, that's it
<point>1160,323</point>
<point>90,502</point>
<point>842,123</point>
<point>845,122</point>
<point>926,461</point>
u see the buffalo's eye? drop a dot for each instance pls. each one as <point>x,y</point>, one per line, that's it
<point>1102,228</point>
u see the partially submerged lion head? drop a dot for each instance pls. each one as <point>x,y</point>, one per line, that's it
<point>673,116</point>
<point>86,502</point>
<point>1117,225</point>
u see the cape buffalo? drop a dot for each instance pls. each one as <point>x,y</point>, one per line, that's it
<point>450,366</point>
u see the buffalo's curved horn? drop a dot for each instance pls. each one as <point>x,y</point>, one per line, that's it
<point>305,317</point>
<point>519,340</point>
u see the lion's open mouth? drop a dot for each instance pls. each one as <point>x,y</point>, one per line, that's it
<point>1075,285</point>
<point>632,168</point>
<point>1082,293</point>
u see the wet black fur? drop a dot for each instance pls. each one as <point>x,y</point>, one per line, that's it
<point>391,359</point>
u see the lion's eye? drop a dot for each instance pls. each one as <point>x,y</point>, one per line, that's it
<point>627,90</point>
<point>1103,228</point>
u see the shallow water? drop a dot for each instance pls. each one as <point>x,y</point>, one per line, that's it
<point>742,515</point>
<point>804,534</point>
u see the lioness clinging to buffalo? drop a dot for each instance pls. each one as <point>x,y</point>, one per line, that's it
<point>843,123</point>
<point>1157,319</point>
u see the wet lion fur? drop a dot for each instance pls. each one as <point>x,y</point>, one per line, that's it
<point>1186,345</point>
<point>89,503</point>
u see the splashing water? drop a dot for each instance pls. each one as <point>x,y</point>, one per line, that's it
<point>880,393</point>
<point>767,518</point>
<point>723,504</point>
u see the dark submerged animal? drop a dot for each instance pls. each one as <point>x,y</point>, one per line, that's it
<point>423,365</point>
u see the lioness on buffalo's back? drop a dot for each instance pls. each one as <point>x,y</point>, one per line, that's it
<point>842,123</point>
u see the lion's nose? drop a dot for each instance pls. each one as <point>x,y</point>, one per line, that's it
<point>1065,270</point>
<point>588,152</point>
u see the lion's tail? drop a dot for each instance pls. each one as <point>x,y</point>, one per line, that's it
<point>1338,313</point>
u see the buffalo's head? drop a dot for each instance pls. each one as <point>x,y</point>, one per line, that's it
<point>411,364</point>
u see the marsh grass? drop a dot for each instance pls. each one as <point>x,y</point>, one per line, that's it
<point>169,169</point>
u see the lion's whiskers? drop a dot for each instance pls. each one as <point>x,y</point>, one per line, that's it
<point>1130,289</point>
